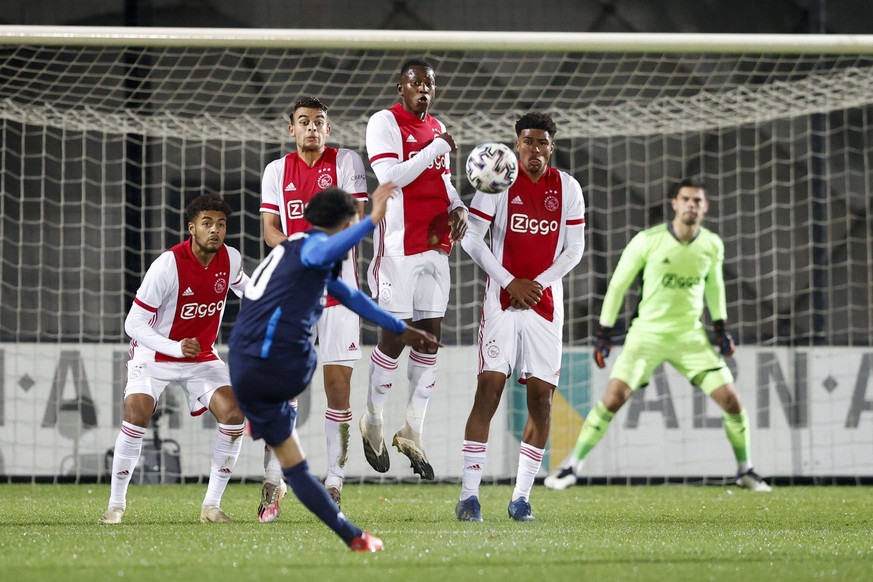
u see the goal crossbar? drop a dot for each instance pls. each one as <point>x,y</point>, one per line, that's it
<point>437,40</point>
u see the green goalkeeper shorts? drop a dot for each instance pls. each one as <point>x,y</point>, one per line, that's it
<point>690,353</point>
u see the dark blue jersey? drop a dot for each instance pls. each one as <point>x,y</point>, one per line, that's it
<point>285,295</point>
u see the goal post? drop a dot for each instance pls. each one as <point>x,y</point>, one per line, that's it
<point>107,132</point>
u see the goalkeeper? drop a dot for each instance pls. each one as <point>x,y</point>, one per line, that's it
<point>681,264</point>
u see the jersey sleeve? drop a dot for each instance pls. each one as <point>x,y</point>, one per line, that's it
<point>271,184</point>
<point>385,150</point>
<point>482,210</point>
<point>160,281</point>
<point>137,326</point>
<point>454,198</point>
<point>713,289</point>
<point>351,174</point>
<point>238,277</point>
<point>158,284</point>
<point>632,260</point>
<point>474,241</point>
<point>320,251</point>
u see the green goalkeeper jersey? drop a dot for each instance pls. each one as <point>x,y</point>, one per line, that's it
<point>677,277</point>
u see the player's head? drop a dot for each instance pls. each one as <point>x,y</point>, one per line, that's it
<point>309,124</point>
<point>536,142</point>
<point>207,222</point>
<point>331,209</point>
<point>689,200</point>
<point>417,86</point>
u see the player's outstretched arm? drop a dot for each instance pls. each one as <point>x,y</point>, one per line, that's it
<point>421,340</point>
<point>358,302</point>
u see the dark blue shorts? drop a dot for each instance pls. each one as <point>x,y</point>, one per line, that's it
<point>263,389</point>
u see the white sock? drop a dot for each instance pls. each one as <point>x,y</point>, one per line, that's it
<point>228,443</point>
<point>272,467</point>
<point>474,463</point>
<point>128,448</point>
<point>421,372</point>
<point>743,466</point>
<point>382,372</point>
<point>333,419</point>
<point>530,459</point>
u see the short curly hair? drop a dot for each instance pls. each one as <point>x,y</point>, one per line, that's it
<point>207,202</point>
<point>541,121</point>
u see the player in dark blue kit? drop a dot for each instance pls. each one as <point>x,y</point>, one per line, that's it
<point>271,353</point>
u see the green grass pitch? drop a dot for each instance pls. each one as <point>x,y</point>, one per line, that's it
<point>50,532</point>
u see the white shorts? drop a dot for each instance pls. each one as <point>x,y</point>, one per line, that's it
<point>414,287</point>
<point>199,380</point>
<point>339,336</point>
<point>521,339</point>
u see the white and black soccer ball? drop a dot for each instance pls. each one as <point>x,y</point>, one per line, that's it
<point>492,168</point>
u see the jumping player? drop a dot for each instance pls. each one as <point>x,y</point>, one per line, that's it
<point>409,273</point>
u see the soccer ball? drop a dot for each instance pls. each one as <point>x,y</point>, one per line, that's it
<point>492,168</point>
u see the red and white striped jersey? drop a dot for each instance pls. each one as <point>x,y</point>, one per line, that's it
<point>289,184</point>
<point>417,220</point>
<point>185,300</point>
<point>528,225</point>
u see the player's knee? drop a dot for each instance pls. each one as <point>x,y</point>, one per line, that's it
<point>540,405</point>
<point>728,399</point>
<point>488,396</point>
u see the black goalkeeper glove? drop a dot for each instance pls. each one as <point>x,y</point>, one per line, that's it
<point>723,339</point>
<point>602,345</point>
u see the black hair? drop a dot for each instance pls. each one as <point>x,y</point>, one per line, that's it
<point>673,192</point>
<point>330,208</point>
<point>541,121</point>
<point>416,62</point>
<point>207,202</point>
<point>308,103</point>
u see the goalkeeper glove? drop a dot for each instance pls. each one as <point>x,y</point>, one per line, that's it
<point>723,339</point>
<point>602,345</point>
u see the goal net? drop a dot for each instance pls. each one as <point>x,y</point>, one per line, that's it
<point>105,134</point>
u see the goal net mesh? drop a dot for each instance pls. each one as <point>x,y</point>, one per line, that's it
<point>101,147</point>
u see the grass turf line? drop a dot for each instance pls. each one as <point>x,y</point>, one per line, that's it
<point>50,532</point>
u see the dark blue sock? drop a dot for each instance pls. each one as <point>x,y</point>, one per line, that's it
<point>316,499</point>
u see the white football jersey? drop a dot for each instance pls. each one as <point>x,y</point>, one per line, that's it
<point>185,300</point>
<point>417,220</point>
<point>289,184</point>
<point>528,225</point>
